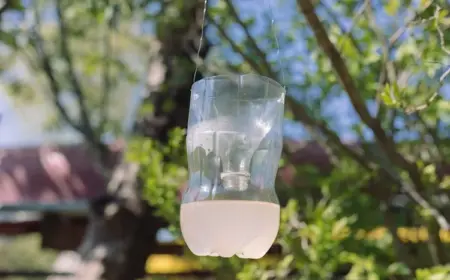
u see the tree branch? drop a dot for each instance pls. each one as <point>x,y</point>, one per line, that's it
<point>433,133</point>
<point>358,103</point>
<point>299,110</point>
<point>340,67</point>
<point>300,113</point>
<point>409,23</point>
<point>48,70</point>
<point>347,81</point>
<point>358,14</point>
<point>442,78</point>
<point>358,156</point>
<point>440,219</point>
<point>440,31</point>
<point>354,20</point>
<point>85,121</point>
<point>236,48</point>
<point>45,62</point>
<point>429,101</point>
<point>85,126</point>
<point>250,38</point>
<point>385,47</point>
<point>54,86</point>
<point>106,76</point>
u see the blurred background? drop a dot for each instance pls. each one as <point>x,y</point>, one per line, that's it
<point>94,99</point>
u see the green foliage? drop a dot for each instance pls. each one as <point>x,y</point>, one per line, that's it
<point>162,178</point>
<point>391,96</point>
<point>25,253</point>
<point>318,236</point>
<point>392,7</point>
<point>434,273</point>
<point>7,39</point>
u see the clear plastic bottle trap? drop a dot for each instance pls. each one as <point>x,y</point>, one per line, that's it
<point>234,143</point>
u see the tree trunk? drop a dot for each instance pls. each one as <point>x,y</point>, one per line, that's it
<point>122,228</point>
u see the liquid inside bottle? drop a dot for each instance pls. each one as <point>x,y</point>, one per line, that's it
<point>230,227</point>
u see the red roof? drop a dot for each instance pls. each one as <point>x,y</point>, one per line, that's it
<point>56,174</point>
<point>49,175</point>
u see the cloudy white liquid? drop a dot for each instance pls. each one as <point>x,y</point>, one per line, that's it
<point>230,227</point>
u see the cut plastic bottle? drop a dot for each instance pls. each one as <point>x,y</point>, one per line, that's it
<point>234,144</point>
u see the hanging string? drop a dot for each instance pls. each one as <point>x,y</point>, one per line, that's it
<point>277,44</point>
<point>205,5</point>
<point>274,33</point>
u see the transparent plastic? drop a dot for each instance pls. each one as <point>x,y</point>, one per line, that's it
<point>234,143</point>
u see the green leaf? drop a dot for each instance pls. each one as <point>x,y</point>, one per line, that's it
<point>439,276</point>
<point>398,269</point>
<point>427,10</point>
<point>347,48</point>
<point>443,110</point>
<point>445,184</point>
<point>286,262</point>
<point>339,226</point>
<point>8,39</point>
<point>386,97</point>
<point>392,7</point>
<point>392,96</point>
<point>425,3</point>
<point>396,93</point>
<point>15,5</point>
<point>373,276</point>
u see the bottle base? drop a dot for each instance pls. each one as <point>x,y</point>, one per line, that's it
<point>226,228</point>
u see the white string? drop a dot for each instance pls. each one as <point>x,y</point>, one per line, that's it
<point>205,5</point>
<point>273,29</point>
<point>274,33</point>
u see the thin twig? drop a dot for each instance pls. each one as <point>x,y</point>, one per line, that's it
<point>48,70</point>
<point>441,33</point>
<point>89,131</point>
<point>440,219</point>
<point>54,87</point>
<point>415,19</point>
<point>354,21</point>
<point>250,38</point>
<point>433,132</point>
<point>429,101</point>
<point>300,113</point>
<point>107,51</point>
<point>384,77</point>
<point>299,110</point>
<point>237,49</point>
<point>344,75</point>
